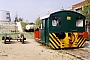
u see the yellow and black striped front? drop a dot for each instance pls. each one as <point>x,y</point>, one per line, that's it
<point>81,41</point>
<point>54,42</point>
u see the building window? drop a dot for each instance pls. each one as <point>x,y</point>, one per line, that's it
<point>7,13</point>
<point>78,10</point>
<point>7,17</point>
<point>56,21</point>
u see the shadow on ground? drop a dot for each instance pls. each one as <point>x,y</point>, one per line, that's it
<point>16,42</point>
<point>27,42</point>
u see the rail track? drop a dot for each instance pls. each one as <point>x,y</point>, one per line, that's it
<point>79,53</point>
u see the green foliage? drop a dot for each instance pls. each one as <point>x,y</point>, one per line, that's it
<point>23,24</point>
<point>16,19</point>
<point>20,19</point>
<point>9,34</point>
<point>86,10</point>
<point>37,22</point>
<point>13,35</point>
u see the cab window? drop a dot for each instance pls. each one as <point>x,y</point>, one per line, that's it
<point>56,21</point>
<point>42,24</point>
<point>79,22</point>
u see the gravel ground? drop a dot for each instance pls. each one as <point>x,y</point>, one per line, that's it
<point>31,50</point>
<point>87,46</point>
<point>82,53</point>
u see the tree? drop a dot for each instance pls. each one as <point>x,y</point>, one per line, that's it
<point>20,19</point>
<point>16,18</point>
<point>37,22</point>
<point>23,24</point>
<point>86,10</point>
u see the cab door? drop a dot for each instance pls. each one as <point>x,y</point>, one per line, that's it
<point>43,30</point>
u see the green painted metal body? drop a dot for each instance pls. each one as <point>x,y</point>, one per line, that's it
<point>45,31</point>
<point>66,25</point>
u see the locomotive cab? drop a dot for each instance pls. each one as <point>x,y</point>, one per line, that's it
<point>63,29</point>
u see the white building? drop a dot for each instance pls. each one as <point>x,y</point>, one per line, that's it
<point>6,25</point>
<point>5,16</point>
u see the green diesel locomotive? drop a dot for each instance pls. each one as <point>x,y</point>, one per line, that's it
<point>62,29</point>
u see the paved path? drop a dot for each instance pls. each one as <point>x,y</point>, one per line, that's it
<point>31,50</point>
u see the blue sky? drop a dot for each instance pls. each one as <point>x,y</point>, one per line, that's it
<point>30,9</point>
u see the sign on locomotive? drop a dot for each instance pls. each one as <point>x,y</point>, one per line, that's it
<point>62,29</point>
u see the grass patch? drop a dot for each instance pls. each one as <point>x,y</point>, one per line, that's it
<point>29,35</point>
<point>13,35</point>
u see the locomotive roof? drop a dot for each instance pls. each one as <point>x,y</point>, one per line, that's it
<point>47,16</point>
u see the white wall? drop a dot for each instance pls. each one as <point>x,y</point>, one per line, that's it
<point>4,15</point>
